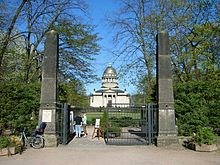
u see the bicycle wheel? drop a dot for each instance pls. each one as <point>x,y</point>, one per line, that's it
<point>37,142</point>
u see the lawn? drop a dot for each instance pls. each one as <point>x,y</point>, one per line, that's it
<point>91,116</point>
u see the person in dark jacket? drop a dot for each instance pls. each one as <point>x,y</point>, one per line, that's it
<point>40,129</point>
<point>78,124</point>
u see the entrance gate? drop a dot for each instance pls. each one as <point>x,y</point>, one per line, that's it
<point>120,124</point>
<point>131,125</point>
<point>63,123</point>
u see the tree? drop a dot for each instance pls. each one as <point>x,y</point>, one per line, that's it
<point>73,92</point>
<point>7,37</point>
<point>2,20</point>
<point>194,27</point>
<point>137,23</point>
<point>14,64</point>
<point>38,17</point>
<point>130,24</point>
<point>41,17</point>
<point>77,45</point>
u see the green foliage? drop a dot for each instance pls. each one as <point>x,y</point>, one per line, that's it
<point>103,121</point>
<point>19,105</point>
<point>22,57</point>
<point>73,93</point>
<point>194,39</point>
<point>199,57</point>
<point>114,131</point>
<point>10,141</point>
<point>123,121</point>
<point>92,116</point>
<point>146,92</point>
<point>91,121</point>
<point>197,105</point>
<point>13,65</point>
<point>78,45</point>
<point>112,128</point>
<point>4,142</point>
<point>204,136</point>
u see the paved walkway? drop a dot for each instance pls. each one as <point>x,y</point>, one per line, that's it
<point>88,151</point>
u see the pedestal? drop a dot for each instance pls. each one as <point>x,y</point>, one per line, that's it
<point>51,140</point>
<point>164,141</point>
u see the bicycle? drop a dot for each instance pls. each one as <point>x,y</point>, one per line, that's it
<point>36,141</point>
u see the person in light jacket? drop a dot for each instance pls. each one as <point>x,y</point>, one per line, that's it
<point>84,124</point>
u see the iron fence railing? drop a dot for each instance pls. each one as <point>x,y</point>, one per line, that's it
<point>131,125</point>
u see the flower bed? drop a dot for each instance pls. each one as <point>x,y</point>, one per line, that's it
<point>9,145</point>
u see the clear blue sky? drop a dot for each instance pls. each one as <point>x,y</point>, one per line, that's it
<point>98,10</point>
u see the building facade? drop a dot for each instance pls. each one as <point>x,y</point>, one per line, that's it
<point>109,94</point>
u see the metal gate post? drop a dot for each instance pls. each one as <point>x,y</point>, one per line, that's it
<point>152,123</point>
<point>107,125</point>
<point>59,120</point>
<point>65,121</point>
<point>149,124</point>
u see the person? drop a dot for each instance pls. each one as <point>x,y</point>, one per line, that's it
<point>78,124</point>
<point>84,124</point>
<point>37,130</point>
<point>40,129</point>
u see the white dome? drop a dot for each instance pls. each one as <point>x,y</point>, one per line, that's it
<point>109,78</point>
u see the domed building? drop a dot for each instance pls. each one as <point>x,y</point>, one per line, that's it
<point>109,94</point>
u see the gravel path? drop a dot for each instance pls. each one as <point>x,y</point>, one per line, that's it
<point>88,151</point>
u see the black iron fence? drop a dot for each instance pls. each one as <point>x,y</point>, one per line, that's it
<point>63,123</point>
<point>131,125</point>
<point>119,124</point>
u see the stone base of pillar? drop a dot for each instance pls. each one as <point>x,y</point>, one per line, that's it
<point>165,141</point>
<point>51,140</point>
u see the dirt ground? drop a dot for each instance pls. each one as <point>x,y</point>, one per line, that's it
<point>88,151</point>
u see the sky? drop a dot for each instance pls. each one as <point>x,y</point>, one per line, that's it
<point>98,9</point>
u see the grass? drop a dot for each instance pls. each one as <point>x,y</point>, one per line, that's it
<point>91,116</point>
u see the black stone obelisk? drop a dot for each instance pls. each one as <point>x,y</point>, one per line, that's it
<point>166,114</point>
<point>49,88</point>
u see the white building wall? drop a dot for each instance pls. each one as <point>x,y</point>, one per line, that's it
<point>103,99</point>
<point>96,101</point>
<point>123,99</point>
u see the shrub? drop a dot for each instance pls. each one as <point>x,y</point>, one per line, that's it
<point>125,121</point>
<point>14,141</point>
<point>4,142</point>
<point>114,131</point>
<point>19,105</point>
<point>91,121</point>
<point>204,136</point>
<point>10,141</point>
<point>197,104</point>
<point>103,121</point>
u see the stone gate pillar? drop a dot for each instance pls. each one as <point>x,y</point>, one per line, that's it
<point>166,114</point>
<point>49,89</point>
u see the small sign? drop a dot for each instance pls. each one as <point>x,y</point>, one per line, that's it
<point>97,123</point>
<point>47,116</point>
